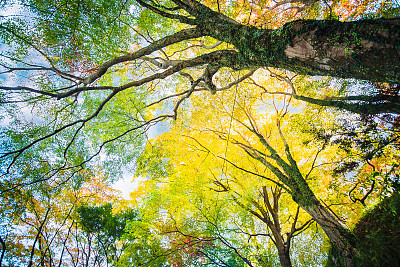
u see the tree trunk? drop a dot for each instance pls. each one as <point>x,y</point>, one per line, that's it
<point>341,238</point>
<point>337,233</point>
<point>284,257</point>
<point>282,246</point>
<point>3,250</point>
<point>364,49</point>
<point>361,104</point>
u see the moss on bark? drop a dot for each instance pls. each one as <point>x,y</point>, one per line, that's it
<point>365,49</point>
<point>377,236</point>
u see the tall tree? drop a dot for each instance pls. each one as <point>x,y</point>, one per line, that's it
<point>81,80</point>
<point>276,149</point>
<point>80,85</point>
<point>203,125</point>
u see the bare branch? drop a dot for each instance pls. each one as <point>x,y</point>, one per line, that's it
<point>3,250</point>
<point>154,46</point>
<point>181,18</point>
<point>241,79</point>
<point>37,236</point>
<point>24,88</point>
<point>315,160</point>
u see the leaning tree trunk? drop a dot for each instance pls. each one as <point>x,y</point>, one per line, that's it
<point>364,49</point>
<point>339,235</point>
<point>289,174</point>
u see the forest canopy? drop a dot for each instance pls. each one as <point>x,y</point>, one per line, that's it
<point>256,133</point>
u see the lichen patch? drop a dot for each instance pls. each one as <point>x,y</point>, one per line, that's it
<point>301,49</point>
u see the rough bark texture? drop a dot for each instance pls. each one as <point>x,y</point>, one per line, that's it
<point>338,234</point>
<point>365,49</point>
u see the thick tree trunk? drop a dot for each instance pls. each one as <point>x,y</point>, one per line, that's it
<point>365,49</point>
<point>339,235</point>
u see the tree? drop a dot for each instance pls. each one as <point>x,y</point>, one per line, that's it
<point>190,153</point>
<point>53,228</point>
<point>98,223</point>
<point>280,229</point>
<point>82,90</point>
<point>296,184</point>
<point>252,123</point>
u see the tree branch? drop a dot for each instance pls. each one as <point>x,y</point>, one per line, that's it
<point>164,42</point>
<point>37,236</point>
<point>3,250</point>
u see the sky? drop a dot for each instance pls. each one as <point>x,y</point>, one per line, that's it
<point>127,184</point>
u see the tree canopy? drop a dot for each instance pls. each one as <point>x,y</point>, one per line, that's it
<point>259,132</point>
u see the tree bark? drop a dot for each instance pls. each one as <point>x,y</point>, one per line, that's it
<point>339,235</point>
<point>364,49</point>
<point>3,250</point>
<point>283,252</point>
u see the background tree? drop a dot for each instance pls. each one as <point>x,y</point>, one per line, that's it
<point>51,230</point>
<point>204,148</point>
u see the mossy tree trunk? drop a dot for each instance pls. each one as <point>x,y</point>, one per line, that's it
<point>293,181</point>
<point>365,49</point>
<point>339,235</point>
